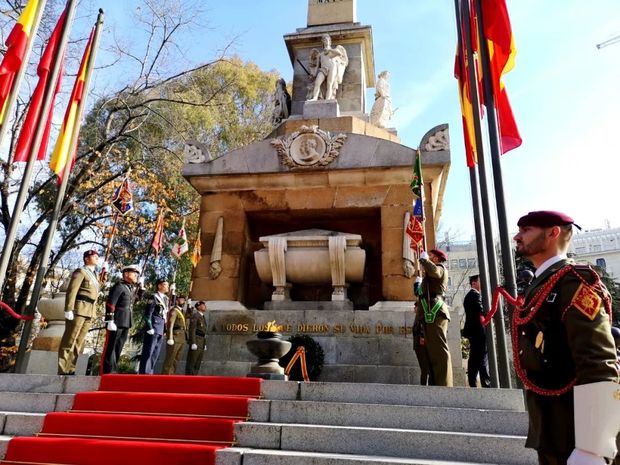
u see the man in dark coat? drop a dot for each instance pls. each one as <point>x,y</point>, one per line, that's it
<point>478,362</point>
<point>80,309</point>
<point>564,352</point>
<point>154,325</point>
<point>119,317</point>
<point>436,315</point>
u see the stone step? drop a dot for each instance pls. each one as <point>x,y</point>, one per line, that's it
<point>389,442</point>
<point>21,423</point>
<point>35,402</point>
<point>4,444</point>
<point>247,456</point>
<point>47,383</point>
<point>396,394</point>
<point>390,416</point>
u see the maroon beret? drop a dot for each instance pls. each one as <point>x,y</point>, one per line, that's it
<point>545,219</point>
<point>90,253</point>
<point>439,254</point>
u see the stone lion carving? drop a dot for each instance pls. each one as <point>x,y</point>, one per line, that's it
<point>308,147</point>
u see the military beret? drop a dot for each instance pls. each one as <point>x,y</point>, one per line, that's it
<point>135,268</point>
<point>90,253</point>
<point>439,254</point>
<point>545,219</point>
<point>199,303</point>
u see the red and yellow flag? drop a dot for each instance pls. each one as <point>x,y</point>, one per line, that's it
<point>34,116</point>
<point>17,45</point>
<point>158,237</point>
<point>64,152</point>
<point>467,113</point>
<point>196,253</point>
<point>502,51</point>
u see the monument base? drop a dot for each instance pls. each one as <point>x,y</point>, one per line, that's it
<point>321,109</point>
<point>305,305</point>
<point>44,362</point>
<point>269,376</point>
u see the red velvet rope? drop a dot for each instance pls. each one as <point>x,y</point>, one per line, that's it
<point>11,312</point>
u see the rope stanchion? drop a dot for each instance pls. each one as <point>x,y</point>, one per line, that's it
<point>300,354</point>
<point>12,312</point>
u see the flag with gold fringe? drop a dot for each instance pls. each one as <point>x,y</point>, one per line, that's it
<point>196,253</point>
<point>158,236</point>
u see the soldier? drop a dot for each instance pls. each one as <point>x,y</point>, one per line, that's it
<point>176,333</point>
<point>80,309</point>
<point>563,349</point>
<point>154,324</point>
<point>436,315</point>
<point>119,317</point>
<point>197,333</point>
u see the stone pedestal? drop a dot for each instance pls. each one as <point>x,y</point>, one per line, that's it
<point>321,109</point>
<point>268,347</point>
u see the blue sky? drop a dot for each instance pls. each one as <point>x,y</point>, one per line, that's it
<point>564,91</point>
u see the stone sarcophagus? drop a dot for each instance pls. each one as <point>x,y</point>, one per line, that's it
<point>312,256</point>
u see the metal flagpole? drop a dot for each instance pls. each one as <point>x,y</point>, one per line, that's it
<point>502,356</point>
<point>51,229</point>
<point>9,241</point>
<point>12,97</point>
<point>508,265</point>
<point>480,240</point>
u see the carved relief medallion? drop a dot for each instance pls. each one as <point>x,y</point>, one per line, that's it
<point>308,147</point>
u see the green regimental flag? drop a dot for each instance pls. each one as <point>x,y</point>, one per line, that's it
<point>416,182</point>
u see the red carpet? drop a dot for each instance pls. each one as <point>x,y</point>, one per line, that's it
<point>134,419</point>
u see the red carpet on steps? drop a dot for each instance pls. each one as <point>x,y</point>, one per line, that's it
<point>140,419</point>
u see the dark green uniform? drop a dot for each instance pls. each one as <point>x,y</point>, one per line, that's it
<point>197,335</point>
<point>436,320</point>
<point>81,299</point>
<point>561,338</point>
<point>176,331</point>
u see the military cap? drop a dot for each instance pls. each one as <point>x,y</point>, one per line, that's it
<point>90,253</point>
<point>199,303</point>
<point>545,219</point>
<point>439,254</point>
<point>135,268</point>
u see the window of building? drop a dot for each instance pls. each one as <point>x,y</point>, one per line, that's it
<point>471,263</point>
<point>454,264</point>
<point>462,263</point>
<point>595,248</point>
<point>601,263</point>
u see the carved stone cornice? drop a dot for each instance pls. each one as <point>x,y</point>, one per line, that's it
<point>310,147</point>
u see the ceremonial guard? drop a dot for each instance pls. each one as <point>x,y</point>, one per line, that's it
<point>431,294</point>
<point>564,352</point>
<point>197,338</point>
<point>119,317</point>
<point>154,325</point>
<point>176,339</point>
<point>80,309</point>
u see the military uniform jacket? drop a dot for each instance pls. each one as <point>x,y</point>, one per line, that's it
<point>177,327</point>
<point>435,284</point>
<point>197,328</point>
<point>473,311</point>
<point>82,293</point>
<point>561,337</point>
<point>119,306</point>
<point>156,313</point>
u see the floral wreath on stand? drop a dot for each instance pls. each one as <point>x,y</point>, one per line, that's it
<point>314,357</point>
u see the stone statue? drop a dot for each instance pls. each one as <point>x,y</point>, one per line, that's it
<point>382,112</point>
<point>282,103</point>
<point>327,66</point>
<point>215,262</point>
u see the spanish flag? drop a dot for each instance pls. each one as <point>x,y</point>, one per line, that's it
<point>64,152</point>
<point>17,45</point>
<point>196,253</point>
<point>502,51</point>
<point>34,116</point>
<point>467,113</point>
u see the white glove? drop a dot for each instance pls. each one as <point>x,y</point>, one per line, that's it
<point>173,289</point>
<point>193,347</point>
<point>423,255</point>
<point>150,331</point>
<point>111,326</point>
<point>418,280</point>
<point>581,457</point>
<point>141,282</point>
<point>69,315</point>
<point>170,342</point>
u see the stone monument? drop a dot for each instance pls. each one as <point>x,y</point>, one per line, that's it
<point>307,224</point>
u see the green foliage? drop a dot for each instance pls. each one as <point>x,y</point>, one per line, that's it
<point>314,357</point>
